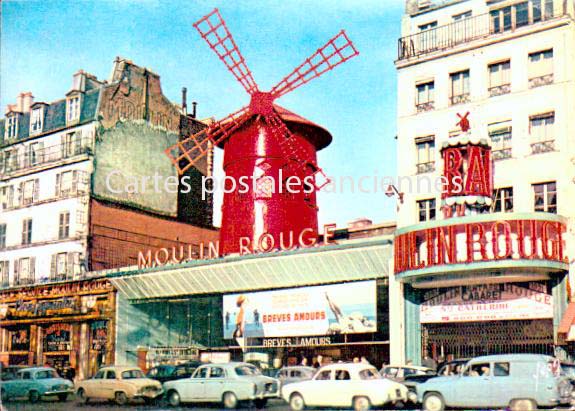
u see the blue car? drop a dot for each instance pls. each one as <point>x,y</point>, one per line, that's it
<point>518,381</point>
<point>35,383</point>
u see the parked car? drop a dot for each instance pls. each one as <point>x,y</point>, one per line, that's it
<point>35,383</point>
<point>120,384</point>
<point>454,367</point>
<point>287,375</point>
<point>166,372</point>
<point>398,373</point>
<point>227,383</point>
<point>8,372</point>
<point>517,381</point>
<point>342,385</point>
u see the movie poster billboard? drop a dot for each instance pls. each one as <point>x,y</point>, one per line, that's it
<point>320,310</point>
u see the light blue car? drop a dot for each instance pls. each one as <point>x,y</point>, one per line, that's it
<point>518,381</point>
<point>35,383</point>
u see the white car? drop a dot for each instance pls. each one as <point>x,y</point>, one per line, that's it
<point>227,384</point>
<point>343,385</point>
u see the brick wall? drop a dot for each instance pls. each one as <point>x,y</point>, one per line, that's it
<point>117,234</point>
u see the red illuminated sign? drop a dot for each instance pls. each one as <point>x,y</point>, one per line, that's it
<point>475,242</point>
<point>467,170</point>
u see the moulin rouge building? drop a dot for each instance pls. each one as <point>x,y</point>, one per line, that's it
<point>483,267</point>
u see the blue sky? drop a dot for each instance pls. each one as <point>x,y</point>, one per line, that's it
<point>44,42</point>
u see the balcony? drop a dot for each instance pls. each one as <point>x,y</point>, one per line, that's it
<point>499,90</point>
<point>543,147</point>
<point>541,81</point>
<point>463,31</point>
<point>428,167</point>
<point>501,154</point>
<point>459,99</point>
<point>427,106</point>
<point>31,159</point>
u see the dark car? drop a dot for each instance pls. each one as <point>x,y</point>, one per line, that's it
<point>168,372</point>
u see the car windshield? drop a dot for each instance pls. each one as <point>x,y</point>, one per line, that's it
<point>369,374</point>
<point>131,374</point>
<point>44,374</point>
<point>247,370</point>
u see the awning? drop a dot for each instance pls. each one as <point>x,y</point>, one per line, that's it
<point>319,265</point>
<point>567,320</point>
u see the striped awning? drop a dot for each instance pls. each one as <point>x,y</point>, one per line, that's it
<point>320,265</point>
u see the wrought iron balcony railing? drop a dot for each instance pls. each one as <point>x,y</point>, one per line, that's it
<point>10,162</point>
<point>541,81</point>
<point>543,147</point>
<point>423,168</point>
<point>463,31</point>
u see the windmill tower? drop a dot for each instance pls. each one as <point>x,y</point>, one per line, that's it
<point>268,147</point>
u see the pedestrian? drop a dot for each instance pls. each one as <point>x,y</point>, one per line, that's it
<point>318,361</point>
<point>256,317</point>
<point>429,362</point>
<point>364,360</point>
<point>355,359</point>
<point>303,362</point>
<point>227,320</point>
<point>409,362</point>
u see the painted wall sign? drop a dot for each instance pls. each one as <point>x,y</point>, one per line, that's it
<point>486,303</point>
<point>322,310</point>
<point>57,338</point>
<point>482,241</point>
<point>68,305</point>
<point>20,339</point>
<point>296,341</point>
<point>99,335</point>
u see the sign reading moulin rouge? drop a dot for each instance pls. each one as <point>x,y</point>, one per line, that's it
<point>517,239</point>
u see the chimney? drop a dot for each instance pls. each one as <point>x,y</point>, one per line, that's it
<point>27,101</point>
<point>194,104</point>
<point>19,102</point>
<point>184,102</point>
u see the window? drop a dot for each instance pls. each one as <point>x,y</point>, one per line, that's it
<point>369,374</point>
<point>7,197</point>
<point>111,375</point>
<point>428,36</point>
<point>27,231</point>
<point>66,183</point>
<point>540,68</point>
<point>70,145</point>
<point>459,83</point>
<point>324,375</point>
<point>217,372</point>
<point>478,370</point>
<point>426,209</point>
<point>61,264</point>
<point>425,147</point>
<point>462,16</point>
<point>26,375</point>
<point>36,120</point>
<point>541,130</point>
<point>4,272</point>
<point>99,375</point>
<point>24,270</point>
<point>428,26</point>
<point>545,197</point>
<point>342,375</point>
<point>2,236</point>
<point>34,153</point>
<point>501,369</point>
<point>73,109</point>
<point>425,96</point>
<point>64,225</point>
<point>29,191</point>
<point>11,126</point>
<point>500,134</point>
<point>503,200</point>
<point>132,374</point>
<point>500,78</point>
<point>201,373</point>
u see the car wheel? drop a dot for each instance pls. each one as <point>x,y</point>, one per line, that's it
<point>260,402</point>
<point>81,394</point>
<point>361,404</point>
<point>173,398</point>
<point>120,398</point>
<point>230,400</point>
<point>433,402</point>
<point>296,402</point>
<point>62,397</point>
<point>522,405</point>
<point>34,396</point>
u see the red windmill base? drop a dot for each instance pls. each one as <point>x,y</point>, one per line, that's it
<point>277,207</point>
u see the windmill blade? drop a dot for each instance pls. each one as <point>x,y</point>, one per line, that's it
<point>294,151</point>
<point>214,31</point>
<point>335,52</point>
<point>186,153</point>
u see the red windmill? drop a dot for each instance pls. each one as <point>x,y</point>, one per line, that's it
<point>260,149</point>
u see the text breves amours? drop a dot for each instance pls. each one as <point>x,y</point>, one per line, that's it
<point>487,303</point>
<point>307,311</point>
<point>484,241</point>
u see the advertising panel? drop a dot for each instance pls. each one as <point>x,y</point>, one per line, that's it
<point>321,310</point>
<point>487,303</point>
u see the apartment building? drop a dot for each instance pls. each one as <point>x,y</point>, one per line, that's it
<point>507,67</point>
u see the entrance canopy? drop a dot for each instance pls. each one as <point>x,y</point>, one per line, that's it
<point>352,261</point>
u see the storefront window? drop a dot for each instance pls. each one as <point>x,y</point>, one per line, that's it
<point>20,339</point>
<point>57,338</point>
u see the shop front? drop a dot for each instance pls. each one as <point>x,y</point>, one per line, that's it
<point>66,326</point>
<point>269,308</point>
<point>483,284</point>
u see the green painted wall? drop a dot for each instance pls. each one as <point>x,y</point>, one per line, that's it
<point>137,150</point>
